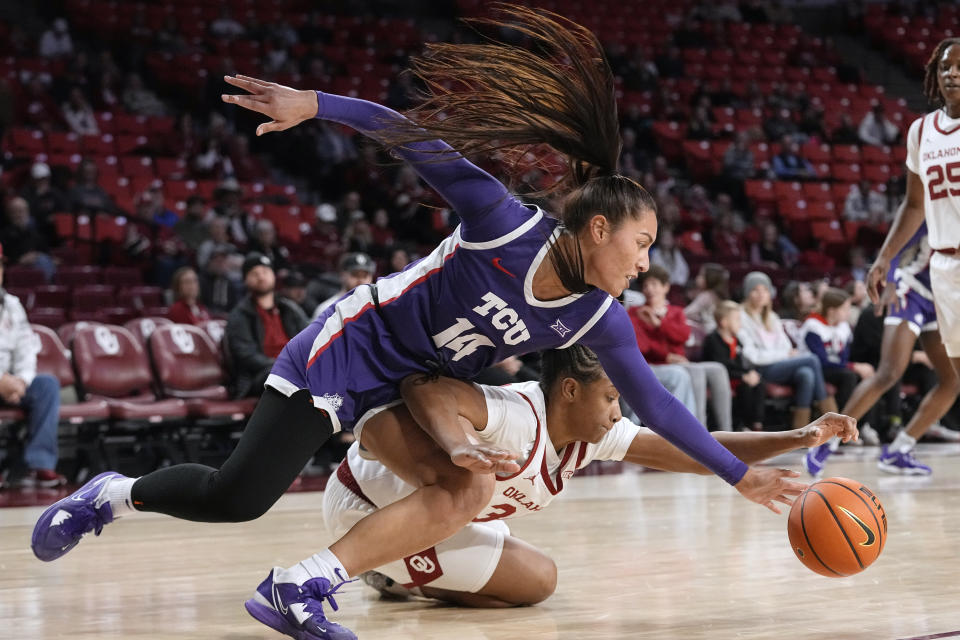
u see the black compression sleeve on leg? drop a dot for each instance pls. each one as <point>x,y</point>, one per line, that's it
<point>280,437</point>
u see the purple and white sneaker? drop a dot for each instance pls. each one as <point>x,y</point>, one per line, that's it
<point>297,610</point>
<point>64,523</point>
<point>816,458</point>
<point>903,464</point>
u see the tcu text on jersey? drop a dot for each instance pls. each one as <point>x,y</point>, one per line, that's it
<point>505,319</point>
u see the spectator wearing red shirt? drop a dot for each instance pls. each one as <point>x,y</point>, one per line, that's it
<point>662,332</point>
<point>260,326</point>
<point>187,308</point>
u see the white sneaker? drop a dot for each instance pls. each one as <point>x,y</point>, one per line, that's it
<point>939,432</point>
<point>869,435</point>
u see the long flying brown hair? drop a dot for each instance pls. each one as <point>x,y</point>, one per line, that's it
<point>558,92</point>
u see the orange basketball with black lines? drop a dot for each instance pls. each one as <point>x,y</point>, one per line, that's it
<point>837,527</point>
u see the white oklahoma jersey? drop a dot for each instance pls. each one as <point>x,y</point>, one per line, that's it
<point>933,153</point>
<point>464,562</point>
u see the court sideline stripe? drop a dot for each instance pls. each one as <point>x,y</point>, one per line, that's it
<point>948,634</point>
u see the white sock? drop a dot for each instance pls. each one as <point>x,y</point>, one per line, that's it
<point>319,565</point>
<point>903,443</point>
<point>117,492</point>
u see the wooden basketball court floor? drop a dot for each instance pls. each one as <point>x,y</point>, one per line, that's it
<point>640,555</point>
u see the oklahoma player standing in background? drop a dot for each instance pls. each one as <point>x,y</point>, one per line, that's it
<point>933,192</point>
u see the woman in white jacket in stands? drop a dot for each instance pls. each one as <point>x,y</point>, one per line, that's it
<point>766,346</point>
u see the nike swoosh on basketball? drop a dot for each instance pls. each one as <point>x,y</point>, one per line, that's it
<point>496,263</point>
<point>871,536</point>
<point>277,601</point>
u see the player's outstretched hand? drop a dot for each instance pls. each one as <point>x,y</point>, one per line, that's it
<point>481,458</point>
<point>767,485</point>
<point>876,276</point>
<point>286,106</point>
<point>825,427</point>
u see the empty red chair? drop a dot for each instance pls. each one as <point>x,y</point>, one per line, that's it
<point>141,296</point>
<point>142,328</point>
<point>52,317</point>
<point>92,296</point>
<point>75,275</point>
<point>849,153</point>
<point>51,295</point>
<point>188,366</point>
<point>843,172</point>
<point>111,365</point>
<point>66,143</point>
<point>54,358</point>
<point>67,330</point>
<point>26,142</point>
<point>21,276</point>
<point>136,166</point>
<point>122,276</point>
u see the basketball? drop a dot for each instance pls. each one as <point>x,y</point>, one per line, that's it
<point>837,527</point>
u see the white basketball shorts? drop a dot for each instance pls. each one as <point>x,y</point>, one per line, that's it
<point>945,281</point>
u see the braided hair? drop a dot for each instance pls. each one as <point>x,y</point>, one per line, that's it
<point>931,88</point>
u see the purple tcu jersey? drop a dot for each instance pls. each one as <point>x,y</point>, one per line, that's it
<point>464,307</point>
<point>468,305</point>
<point>910,274</point>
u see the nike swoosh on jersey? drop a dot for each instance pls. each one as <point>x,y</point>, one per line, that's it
<point>496,263</point>
<point>871,536</point>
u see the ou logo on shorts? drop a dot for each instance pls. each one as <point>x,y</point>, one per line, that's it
<point>421,564</point>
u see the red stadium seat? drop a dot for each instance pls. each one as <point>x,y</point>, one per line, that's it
<point>78,275</point>
<point>122,276</point>
<point>111,365</point>
<point>51,295</point>
<point>142,328</point>
<point>67,330</point>
<point>847,153</point>
<point>92,296</point>
<point>844,172</point>
<point>187,363</point>
<point>53,358</point>
<point>52,317</point>
<point>66,143</point>
<point>22,276</point>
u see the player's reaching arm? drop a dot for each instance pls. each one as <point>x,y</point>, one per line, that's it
<point>652,451</point>
<point>612,340</point>
<point>471,191</point>
<point>437,404</point>
<point>908,219</point>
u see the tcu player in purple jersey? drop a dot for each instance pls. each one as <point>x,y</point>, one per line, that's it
<point>508,281</point>
<point>572,417</point>
<point>911,315</point>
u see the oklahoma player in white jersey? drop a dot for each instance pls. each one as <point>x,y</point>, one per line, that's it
<point>558,426</point>
<point>933,191</point>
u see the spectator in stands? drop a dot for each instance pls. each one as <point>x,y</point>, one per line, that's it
<point>767,348</point>
<point>24,243</point>
<point>865,204</point>
<point>670,63</point>
<point>774,250</point>
<point>722,346</point>
<point>211,160</point>
<point>633,160</point>
<point>666,254</point>
<point>382,233</point>
<point>700,125</point>
<point>260,326</point>
<point>355,269</point>
<point>812,124</point>
<point>186,307</point>
<point>726,240</point>
<point>37,394</point>
<point>218,291</point>
<point>44,200</point>
<point>219,239</point>
<point>662,333</point>
<point>246,166</point>
<point>712,287</point>
<point>225,26</point>
<point>846,133</point>
<point>858,265</point>
<point>357,236</point>
<point>827,335</point>
<point>294,287</point>
<point>226,204</point>
<point>37,107</point>
<point>876,129</point>
<point>326,235</point>
<point>192,228</point>
<point>399,259</point>
<point>169,38</point>
<point>56,41</point>
<point>738,166</point>
<point>798,301</point>
<point>154,206</point>
<point>87,196</point>
<point>639,73</point>
<point>8,108</point>
<point>79,114</point>
<point>789,164</point>
<point>896,191</point>
<point>139,100</point>
<point>859,300</point>
<point>779,125</point>
<point>265,241</point>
